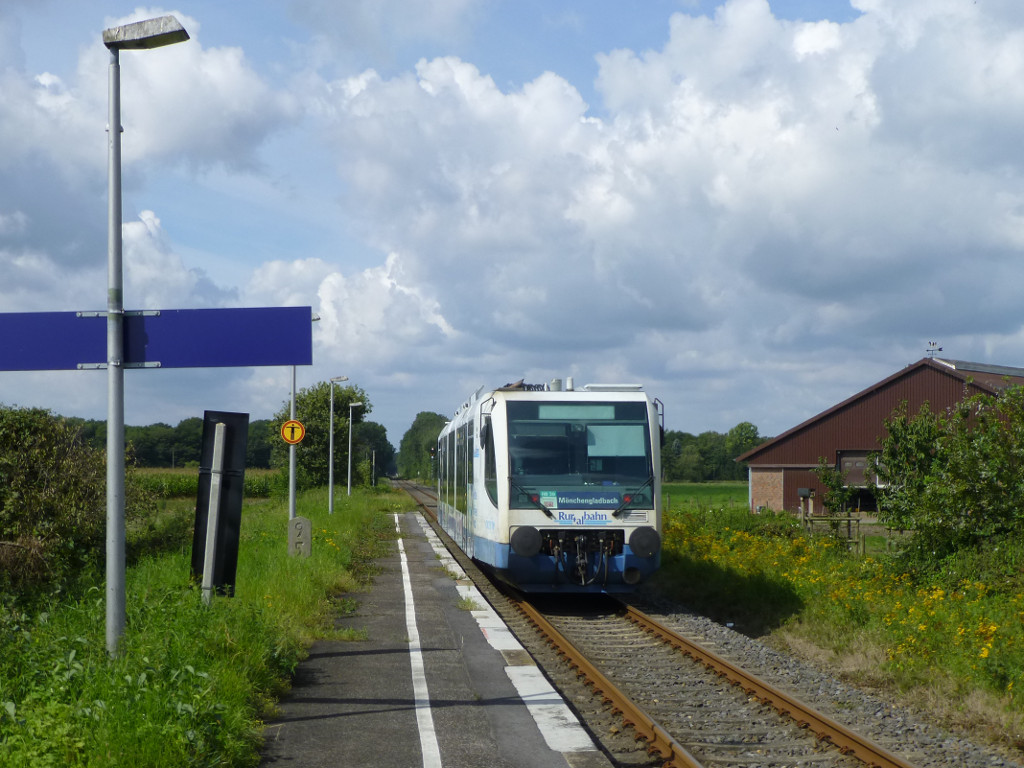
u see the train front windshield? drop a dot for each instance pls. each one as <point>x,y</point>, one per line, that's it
<point>579,456</point>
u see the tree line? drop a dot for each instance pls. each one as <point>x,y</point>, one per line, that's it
<point>163,445</point>
<point>372,454</point>
<point>416,451</point>
<point>709,456</point>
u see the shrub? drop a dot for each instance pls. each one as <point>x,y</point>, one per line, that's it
<point>953,478</point>
<point>52,499</point>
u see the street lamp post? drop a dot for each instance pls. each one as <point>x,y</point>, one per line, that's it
<point>293,448</point>
<point>152,33</point>
<point>350,407</point>
<point>330,450</point>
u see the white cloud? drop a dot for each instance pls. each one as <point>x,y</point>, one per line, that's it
<point>285,283</point>
<point>42,117</point>
<point>13,223</point>
<point>377,30</point>
<point>34,282</point>
<point>760,200</point>
<point>206,106</point>
<point>155,277</point>
<point>202,106</point>
<point>374,317</point>
<point>756,183</point>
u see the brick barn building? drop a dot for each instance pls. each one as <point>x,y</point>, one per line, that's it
<point>781,470</point>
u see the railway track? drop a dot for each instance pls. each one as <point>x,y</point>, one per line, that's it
<point>654,697</point>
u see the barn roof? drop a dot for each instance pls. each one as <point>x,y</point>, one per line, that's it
<point>978,376</point>
<point>990,377</point>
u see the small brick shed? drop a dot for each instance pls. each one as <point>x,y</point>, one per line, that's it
<point>781,470</point>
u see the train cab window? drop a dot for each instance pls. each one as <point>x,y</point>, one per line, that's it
<point>573,445</point>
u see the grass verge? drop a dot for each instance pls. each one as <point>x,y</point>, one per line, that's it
<point>192,683</point>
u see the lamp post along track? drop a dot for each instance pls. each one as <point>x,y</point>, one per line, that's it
<point>646,684</point>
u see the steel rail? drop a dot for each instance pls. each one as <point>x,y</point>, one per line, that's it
<point>418,494</point>
<point>657,738</point>
<point>847,741</point>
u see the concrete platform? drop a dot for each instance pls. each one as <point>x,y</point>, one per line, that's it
<point>439,682</point>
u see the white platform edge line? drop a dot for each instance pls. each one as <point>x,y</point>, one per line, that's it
<point>424,715</point>
<point>557,724</point>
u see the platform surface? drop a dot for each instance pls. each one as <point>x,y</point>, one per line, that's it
<point>439,682</point>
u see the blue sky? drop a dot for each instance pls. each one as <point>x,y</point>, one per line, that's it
<point>754,208</point>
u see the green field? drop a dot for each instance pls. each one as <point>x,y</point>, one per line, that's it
<point>708,495</point>
<point>182,482</point>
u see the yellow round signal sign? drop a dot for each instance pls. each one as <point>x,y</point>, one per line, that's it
<point>292,432</point>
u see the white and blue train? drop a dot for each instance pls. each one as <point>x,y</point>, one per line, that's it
<point>555,489</point>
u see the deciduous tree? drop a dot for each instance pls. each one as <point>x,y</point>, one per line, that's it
<point>313,409</point>
<point>415,453</point>
<point>954,479</point>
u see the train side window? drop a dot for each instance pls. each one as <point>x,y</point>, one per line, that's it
<point>490,463</point>
<point>442,470</point>
<point>452,479</point>
<point>470,453</point>
<point>461,478</point>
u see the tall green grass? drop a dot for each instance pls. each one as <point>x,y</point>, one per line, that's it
<point>184,482</point>
<point>191,683</point>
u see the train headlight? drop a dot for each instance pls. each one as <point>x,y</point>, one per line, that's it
<point>645,541</point>
<point>526,541</point>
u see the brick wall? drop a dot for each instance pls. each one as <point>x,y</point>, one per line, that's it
<point>765,489</point>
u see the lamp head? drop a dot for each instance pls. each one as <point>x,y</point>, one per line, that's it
<point>151,33</point>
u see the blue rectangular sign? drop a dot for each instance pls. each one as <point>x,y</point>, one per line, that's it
<point>221,338</point>
<point>50,341</point>
<point>168,338</point>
